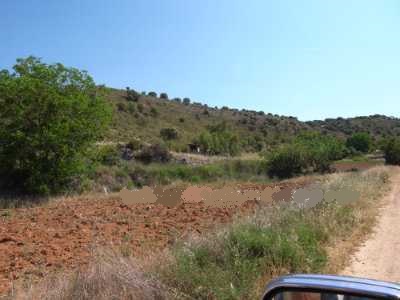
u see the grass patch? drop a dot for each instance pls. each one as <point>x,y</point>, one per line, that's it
<point>136,174</point>
<point>236,262</point>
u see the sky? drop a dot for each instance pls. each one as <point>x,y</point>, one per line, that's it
<point>312,59</point>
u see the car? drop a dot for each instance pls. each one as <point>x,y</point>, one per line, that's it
<point>329,287</point>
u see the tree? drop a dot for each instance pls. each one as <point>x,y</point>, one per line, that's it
<point>186,101</point>
<point>360,141</point>
<point>310,151</point>
<point>164,96</point>
<point>287,161</point>
<point>50,115</point>
<point>391,150</point>
<point>132,95</point>
<point>152,94</point>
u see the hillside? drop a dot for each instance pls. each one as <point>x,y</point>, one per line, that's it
<point>376,125</point>
<point>147,115</point>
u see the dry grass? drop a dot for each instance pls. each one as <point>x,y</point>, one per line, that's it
<point>110,276</point>
<point>235,261</point>
<point>372,185</point>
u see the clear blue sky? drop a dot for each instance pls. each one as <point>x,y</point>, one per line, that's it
<point>310,59</point>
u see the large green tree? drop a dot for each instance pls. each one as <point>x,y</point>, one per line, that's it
<point>50,115</point>
<point>360,141</point>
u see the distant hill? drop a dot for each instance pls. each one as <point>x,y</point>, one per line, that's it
<point>377,125</point>
<point>144,118</point>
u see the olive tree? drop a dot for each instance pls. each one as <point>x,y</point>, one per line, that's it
<point>50,115</point>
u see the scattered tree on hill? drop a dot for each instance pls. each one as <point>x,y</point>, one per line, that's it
<point>152,94</point>
<point>132,95</point>
<point>164,96</point>
<point>186,101</point>
<point>49,117</point>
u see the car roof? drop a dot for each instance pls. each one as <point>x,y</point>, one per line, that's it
<point>337,284</point>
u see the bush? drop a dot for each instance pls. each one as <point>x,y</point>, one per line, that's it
<point>186,101</point>
<point>132,95</point>
<point>131,108</point>
<point>108,155</point>
<point>164,96</point>
<point>392,152</point>
<point>50,115</point>
<point>308,152</point>
<point>219,140</point>
<point>286,162</point>
<point>134,144</point>
<point>152,94</point>
<point>360,141</point>
<point>169,134</point>
<point>122,106</point>
<point>154,112</point>
<point>154,153</point>
<point>140,107</point>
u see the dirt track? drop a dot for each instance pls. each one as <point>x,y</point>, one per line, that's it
<point>378,257</point>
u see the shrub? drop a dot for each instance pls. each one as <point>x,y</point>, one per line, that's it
<point>134,144</point>
<point>50,116</point>
<point>169,133</point>
<point>154,153</point>
<point>154,112</point>
<point>360,141</point>
<point>186,101</point>
<point>108,155</point>
<point>164,96</point>
<point>152,94</point>
<point>308,152</point>
<point>392,152</point>
<point>219,139</point>
<point>140,107</point>
<point>122,106</point>
<point>181,120</point>
<point>179,100</point>
<point>287,161</point>
<point>132,95</point>
<point>131,108</point>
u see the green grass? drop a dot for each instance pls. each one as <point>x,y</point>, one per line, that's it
<point>136,174</point>
<point>233,262</point>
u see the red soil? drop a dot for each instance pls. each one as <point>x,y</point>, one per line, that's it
<point>61,234</point>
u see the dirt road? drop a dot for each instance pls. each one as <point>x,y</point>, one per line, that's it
<point>378,257</point>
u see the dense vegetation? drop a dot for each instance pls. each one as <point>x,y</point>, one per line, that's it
<point>308,152</point>
<point>360,142</point>
<point>55,135</point>
<point>49,117</point>
<point>392,151</point>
